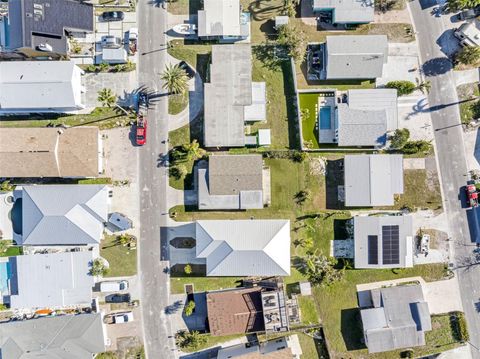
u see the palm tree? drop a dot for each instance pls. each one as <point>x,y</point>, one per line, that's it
<point>193,150</point>
<point>175,79</point>
<point>424,86</point>
<point>107,97</point>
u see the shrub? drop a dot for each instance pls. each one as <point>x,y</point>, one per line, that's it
<point>98,268</point>
<point>468,55</point>
<point>187,269</point>
<point>190,340</point>
<point>178,172</point>
<point>189,308</point>
<point>6,186</point>
<point>400,138</point>
<point>293,39</point>
<point>403,87</point>
<point>413,147</point>
<point>458,325</point>
<point>298,156</point>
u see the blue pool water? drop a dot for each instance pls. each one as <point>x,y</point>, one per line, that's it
<point>4,276</point>
<point>325,117</point>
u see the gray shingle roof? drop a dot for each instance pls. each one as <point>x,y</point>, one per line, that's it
<point>244,247</point>
<point>365,226</point>
<point>356,56</point>
<point>372,180</point>
<point>63,214</point>
<point>45,21</point>
<point>227,94</point>
<point>375,100</point>
<point>61,337</point>
<point>51,280</point>
<point>357,127</point>
<point>398,321</point>
<point>347,11</point>
<point>231,182</point>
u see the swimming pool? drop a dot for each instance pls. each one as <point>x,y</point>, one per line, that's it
<point>4,277</point>
<point>325,118</point>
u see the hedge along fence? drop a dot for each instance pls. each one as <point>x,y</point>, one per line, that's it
<point>458,324</point>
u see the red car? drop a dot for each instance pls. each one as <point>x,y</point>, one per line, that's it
<point>141,132</point>
<point>472,195</point>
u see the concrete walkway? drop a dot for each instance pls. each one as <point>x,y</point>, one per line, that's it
<point>466,76</point>
<point>195,101</point>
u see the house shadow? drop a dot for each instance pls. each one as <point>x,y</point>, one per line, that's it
<point>334,176</point>
<point>426,4</point>
<point>198,319</point>
<point>294,135</point>
<point>340,229</point>
<point>351,328</point>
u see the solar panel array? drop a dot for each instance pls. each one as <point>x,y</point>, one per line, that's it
<point>390,245</point>
<point>372,249</point>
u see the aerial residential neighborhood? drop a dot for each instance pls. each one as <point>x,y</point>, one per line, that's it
<point>200,179</point>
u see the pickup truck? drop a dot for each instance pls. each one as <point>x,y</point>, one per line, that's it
<point>118,318</point>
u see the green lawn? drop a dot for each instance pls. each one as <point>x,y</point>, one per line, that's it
<point>177,103</point>
<point>183,7</point>
<point>308,104</point>
<point>122,260</point>
<point>202,284</point>
<point>103,117</point>
<point>12,251</point>
<point>197,55</point>
<point>308,310</point>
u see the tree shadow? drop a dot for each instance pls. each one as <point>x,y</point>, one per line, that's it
<point>260,13</point>
<point>351,329</point>
<point>437,66</point>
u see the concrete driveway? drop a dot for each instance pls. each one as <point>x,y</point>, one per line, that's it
<point>121,83</point>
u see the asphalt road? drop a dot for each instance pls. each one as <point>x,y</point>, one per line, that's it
<point>451,157</point>
<point>152,24</point>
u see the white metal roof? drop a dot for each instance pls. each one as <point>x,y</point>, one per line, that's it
<point>63,214</point>
<point>51,280</point>
<point>40,86</point>
<point>347,11</point>
<point>372,180</point>
<point>244,247</point>
<point>219,18</point>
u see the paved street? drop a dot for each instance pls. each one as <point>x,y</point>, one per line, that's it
<point>153,183</point>
<point>450,149</point>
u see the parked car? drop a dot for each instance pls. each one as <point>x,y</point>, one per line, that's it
<point>186,67</point>
<point>114,286</point>
<point>118,298</point>
<point>112,16</point>
<point>472,195</point>
<point>468,14</point>
<point>111,42</point>
<point>118,318</point>
<point>141,131</point>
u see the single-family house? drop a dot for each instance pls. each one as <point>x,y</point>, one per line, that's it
<point>223,20</point>
<point>279,348</point>
<point>394,317</point>
<point>64,336</point>
<point>235,311</point>
<point>36,26</point>
<point>40,87</point>
<point>355,56</point>
<point>61,215</point>
<point>346,12</point>
<point>247,310</point>
<point>366,118</point>
<point>50,152</point>
<point>244,247</point>
<point>469,33</point>
<point>383,241</point>
<point>54,280</point>
<point>372,180</point>
<point>232,182</point>
<point>231,98</point>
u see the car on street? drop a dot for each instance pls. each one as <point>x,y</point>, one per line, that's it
<point>141,131</point>
<point>112,16</point>
<point>472,195</point>
<point>468,14</point>
<point>118,298</point>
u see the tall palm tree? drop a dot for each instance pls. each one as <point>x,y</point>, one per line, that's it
<point>193,150</point>
<point>175,78</point>
<point>107,97</point>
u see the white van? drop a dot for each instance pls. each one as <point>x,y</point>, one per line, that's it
<point>113,286</point>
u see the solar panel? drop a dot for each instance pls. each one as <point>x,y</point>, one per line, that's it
<point>390,245</point>
<point>372,249</point>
